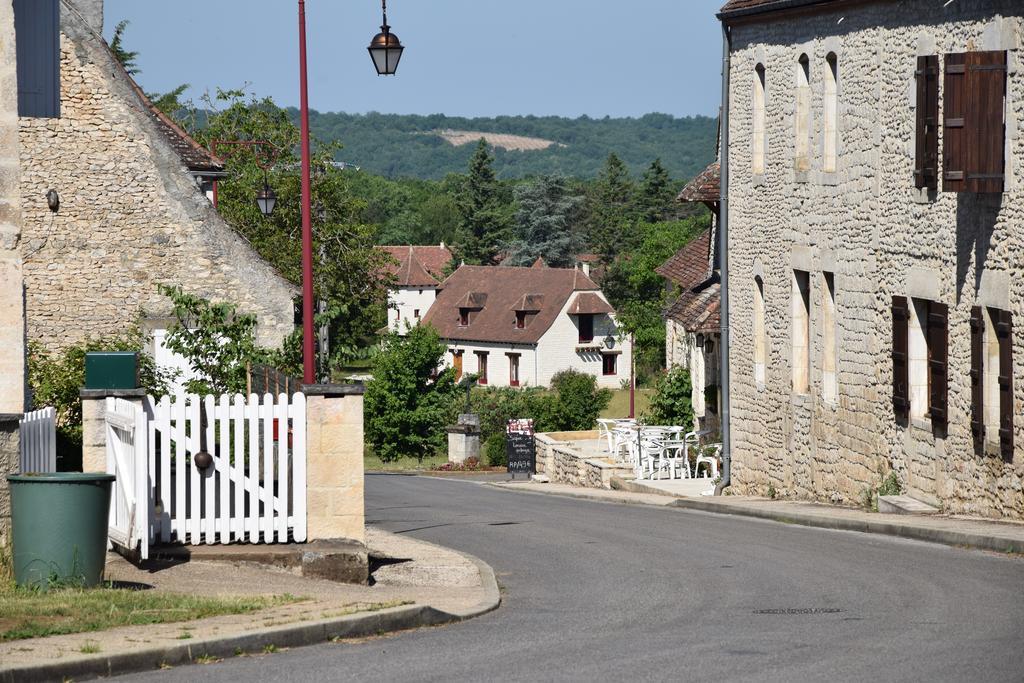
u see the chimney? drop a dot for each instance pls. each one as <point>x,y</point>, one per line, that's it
<point>92,11</point>
<point>586,268</point>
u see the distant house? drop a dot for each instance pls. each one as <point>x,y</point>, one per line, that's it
<point>520,326</point>
<point>114,197</point>
<point>418,272</point>
<point>692,321</point>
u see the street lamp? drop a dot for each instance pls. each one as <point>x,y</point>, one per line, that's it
<point>385,48</point>
<point>266,199</point>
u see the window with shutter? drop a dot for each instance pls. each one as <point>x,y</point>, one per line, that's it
<point>900,365</point>
<point>977,375</point>
<point>37,35</point>
<point>974,135</point>
<point>1004,334</point>
<point>927,156</point>
<point>938,362</point>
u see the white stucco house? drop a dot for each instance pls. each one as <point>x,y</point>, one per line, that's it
<point>521,326</point>
<point>418,272</point>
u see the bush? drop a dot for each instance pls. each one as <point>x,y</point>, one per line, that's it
<point>496,406</point>
<point>56,378</point>
<point>672,402</point>
<point>494,450</point>
<point>577,402</point>
<point>408,403</point>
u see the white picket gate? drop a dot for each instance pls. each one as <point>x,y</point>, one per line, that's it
<point>37,436</point>
<point>126,436</point>
<point>255,489</point>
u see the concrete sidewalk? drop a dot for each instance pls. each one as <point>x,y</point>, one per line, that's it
<point>418,584</point>
<point>967,532</point>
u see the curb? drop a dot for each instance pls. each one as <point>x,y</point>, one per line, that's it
<point>389,620</point>
<point>582,495</point>
<point>959,539</point>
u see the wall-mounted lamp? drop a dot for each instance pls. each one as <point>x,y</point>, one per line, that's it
<point>52,200</point>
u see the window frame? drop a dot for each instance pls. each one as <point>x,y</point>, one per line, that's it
<point>589,317</point>
<point>613,358</point>
<point>481,367</point>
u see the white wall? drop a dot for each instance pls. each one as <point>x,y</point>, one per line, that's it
<point>557,349</point>
<point>497,361</point>
<point>403,302</point>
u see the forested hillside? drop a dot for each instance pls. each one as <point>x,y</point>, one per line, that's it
<point>415,146</point>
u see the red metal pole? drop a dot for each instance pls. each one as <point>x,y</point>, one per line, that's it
<point>632,380</point>
<point>215,194</point>
<point>308,367</point>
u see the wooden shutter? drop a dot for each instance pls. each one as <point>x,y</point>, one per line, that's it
<point>900,364</point>
<point>974,130</point>
<point>37,35</point>
<point>1004,333</point>
<point>938,362</point>
<point>977,377</point>
<point>986,82</point>
<point>927,156</point>
<point>954,149</point>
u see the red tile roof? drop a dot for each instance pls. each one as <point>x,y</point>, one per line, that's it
<point>418,266</point>
<point>706,187</point>
<point>689,266</point>
<point>589,303</point>
<point>501,291</point>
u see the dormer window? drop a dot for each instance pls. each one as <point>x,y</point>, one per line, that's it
<point>520,320</point>
<point>586,326</point>
<point>463,317</point>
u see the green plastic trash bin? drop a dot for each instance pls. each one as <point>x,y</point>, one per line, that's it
<point>59,527</point>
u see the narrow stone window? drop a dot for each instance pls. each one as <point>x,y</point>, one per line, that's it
<point>831,117</point>
<point>828,337</point>
<point>760,342</point>
<point>757,164</point>
<point>802,118</point>
<point>801,312</point>
<point>917,352</point>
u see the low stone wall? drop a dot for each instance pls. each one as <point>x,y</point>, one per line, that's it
<point>9,449</point>
<point>564,464</point>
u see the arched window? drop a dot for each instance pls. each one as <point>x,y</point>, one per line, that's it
<point>831,114</point>
<point>802,119</point>
<point>757,164</point>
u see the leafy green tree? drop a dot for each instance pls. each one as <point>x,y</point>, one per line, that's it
<point>546,224</point>
<point>672,402</point>
<point>483,221</point>
<point>656,198</point>
<point>350,277</point>
<point>216,340</point>
<point>611,201</point>
<point>578,401</point>
<point>408,402</point>
<point>127,58</point>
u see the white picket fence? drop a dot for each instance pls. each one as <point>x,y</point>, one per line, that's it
<point>130,504</point>
<point>255,489</point>
<point>37,435</point>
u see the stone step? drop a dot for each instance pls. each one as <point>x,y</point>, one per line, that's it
<point>904,505</point>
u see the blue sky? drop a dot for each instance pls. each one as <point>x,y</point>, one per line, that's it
<point>563,57</point>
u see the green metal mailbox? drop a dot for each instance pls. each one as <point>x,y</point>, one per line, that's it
<point>111,370</point>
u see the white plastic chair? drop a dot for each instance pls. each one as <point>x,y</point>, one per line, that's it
<point>604,431</point>
<point>710,460</point>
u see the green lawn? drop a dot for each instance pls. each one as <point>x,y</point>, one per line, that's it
<point>619,407</point>
<point>32,614</point>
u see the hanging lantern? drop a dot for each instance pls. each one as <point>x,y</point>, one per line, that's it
<point>385,48</point>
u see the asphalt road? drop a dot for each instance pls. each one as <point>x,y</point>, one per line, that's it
<point>604,592</point>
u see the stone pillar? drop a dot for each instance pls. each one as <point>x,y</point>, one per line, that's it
<point>12,309</point>
<point>94,431</point>
<point>334,462</point>
<point>464,439</point>
<point>9,456</point>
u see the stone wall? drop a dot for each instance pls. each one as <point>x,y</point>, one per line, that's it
<point>867,224</point>
<point>563,464</point>
<point>130,215</point>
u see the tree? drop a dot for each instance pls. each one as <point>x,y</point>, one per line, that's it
<point>672,402</point>
<point>611,200</point>
<point>545,224</point>
<point>350,274</point>
<point>127,58</point>
<point>577,402</point>
<point>656,199</point>
<point>408,402</point>
<point>483,222</point>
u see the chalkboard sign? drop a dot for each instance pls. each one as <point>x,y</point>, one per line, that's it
<point>521,448</point>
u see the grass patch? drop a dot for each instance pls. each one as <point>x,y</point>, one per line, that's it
<point>619,406</point>
<point>372,463</point>
<point>32,614</point>
<point>91,647</point>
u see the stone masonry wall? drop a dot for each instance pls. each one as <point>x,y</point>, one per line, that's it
<point>130,215</point>
<point>881,237</point>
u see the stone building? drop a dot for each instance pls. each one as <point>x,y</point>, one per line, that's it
<point>521,326</point>
<point>875,186</point>
<point>127,209</point>
<point>693,320</point>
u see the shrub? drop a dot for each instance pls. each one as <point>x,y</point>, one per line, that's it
<point>494,450</point>
<point>577,402</point>
<point>672,402</point>
<point>496,406</point>
<point>408,403</point>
